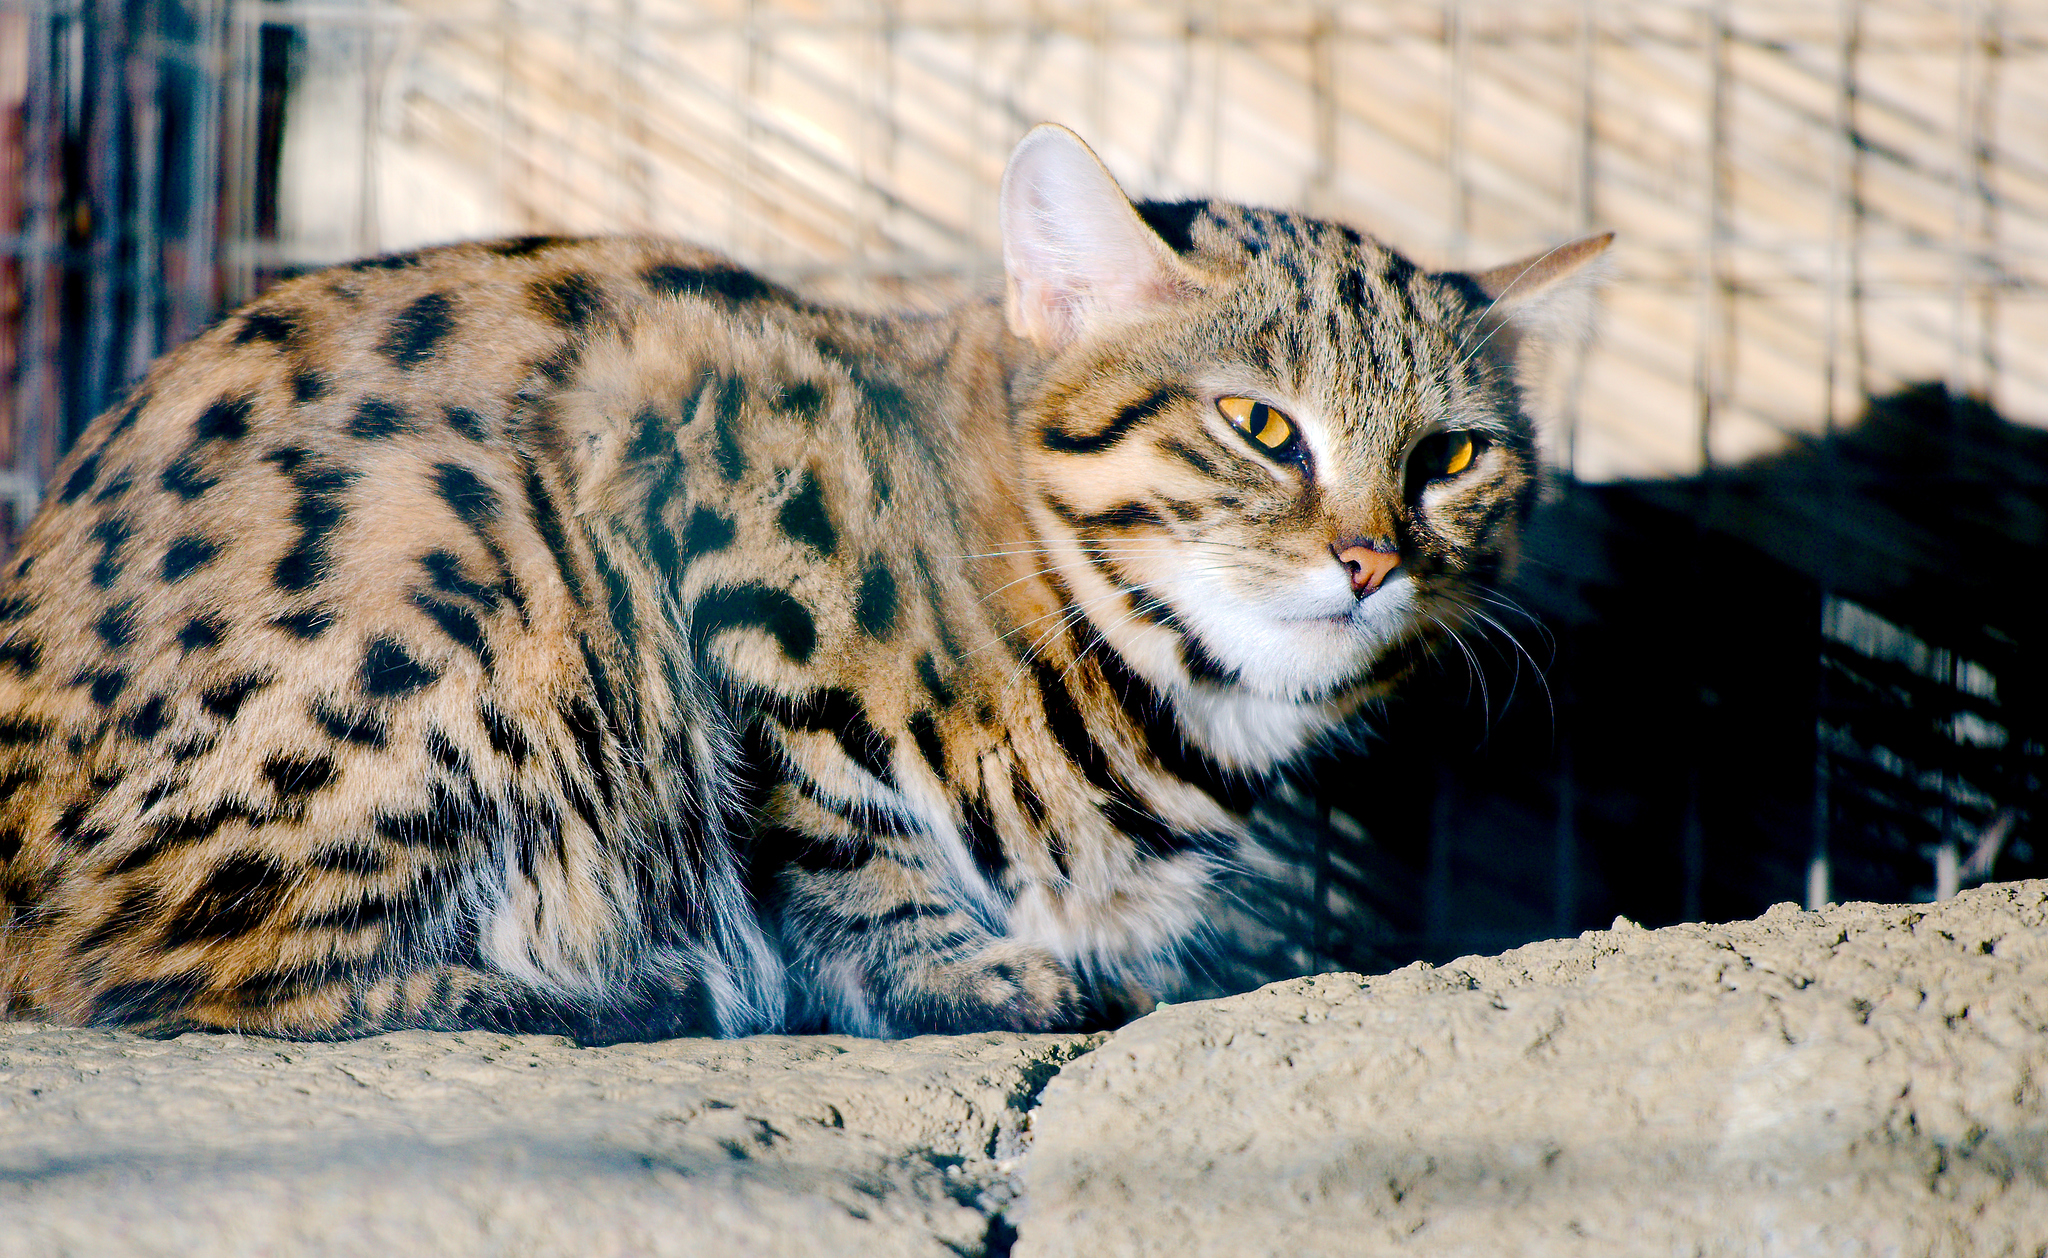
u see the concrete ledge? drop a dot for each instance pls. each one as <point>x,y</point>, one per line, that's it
<point>1864,1080</point>
<point>461,1144</point>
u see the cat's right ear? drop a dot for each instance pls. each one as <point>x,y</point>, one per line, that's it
<point>1075,252</point>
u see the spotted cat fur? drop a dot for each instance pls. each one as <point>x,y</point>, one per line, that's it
<point>592,636</point>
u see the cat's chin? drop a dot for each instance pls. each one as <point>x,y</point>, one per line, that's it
<point>1306,648</point>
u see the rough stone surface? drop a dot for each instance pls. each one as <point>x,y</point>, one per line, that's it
<point>462,1144</point>
<point>1862,1080</point>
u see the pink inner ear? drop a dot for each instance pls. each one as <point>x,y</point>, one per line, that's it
<point>1075,249</point>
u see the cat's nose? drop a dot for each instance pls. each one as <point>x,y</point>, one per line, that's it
<point>1369,562</point>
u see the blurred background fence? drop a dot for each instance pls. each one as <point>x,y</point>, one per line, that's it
<point>1782,592</point>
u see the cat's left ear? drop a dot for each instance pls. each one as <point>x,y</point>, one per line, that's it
<point>1076,253</point>
<point>1549,295</point>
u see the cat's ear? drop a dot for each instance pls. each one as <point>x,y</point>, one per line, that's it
<point>1075,251</point>
<point>1549,295</point>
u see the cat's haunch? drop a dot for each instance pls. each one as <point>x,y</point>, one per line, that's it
<point>593,636</point>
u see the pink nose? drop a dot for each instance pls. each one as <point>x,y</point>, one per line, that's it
<point>1368,567</point>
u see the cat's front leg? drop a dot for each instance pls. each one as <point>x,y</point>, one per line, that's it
<point>881,950</point>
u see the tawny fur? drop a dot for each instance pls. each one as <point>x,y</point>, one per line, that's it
<point>588,635</point>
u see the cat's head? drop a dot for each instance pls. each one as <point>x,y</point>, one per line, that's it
<point>1267,452</point>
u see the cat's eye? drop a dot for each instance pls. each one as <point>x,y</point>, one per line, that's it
<point>1460,456</point>
<point>1271,431</point>
<point>1443,455</point>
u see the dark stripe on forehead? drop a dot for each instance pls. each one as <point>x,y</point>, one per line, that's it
<point>1129,417</point>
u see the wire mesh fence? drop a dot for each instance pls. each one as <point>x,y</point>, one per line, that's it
<point>1820,203</point>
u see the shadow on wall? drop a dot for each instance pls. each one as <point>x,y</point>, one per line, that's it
<point>1817,676</point>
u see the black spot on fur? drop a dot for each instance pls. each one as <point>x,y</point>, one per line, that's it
<point>838,712</point>
<point>377,418</point>
<point>803,399</point>
<point>241,894</point>
<point>525,246</point>
<point>225,699</point>
<point>549,522</point>
<point>107,684</point>
<point>147,721</point>
<point>774,611</point>
<point>571,300</point>
<point>473,502</point>
<point>441,824</point>
<point>445,753</point>
<point>129,410</point>
<point>723,282</point>
<point>318,512</point>
<point>14,607</point>
<point>16,730</point>
<point>386,262</point>
<point>924,731</point>
<point>727,404</point>
<point>16,778</point>
<point>358,728</point>
<point>187,555</point>
<point>192,746</point>
<point>22,653</point>
<point>111,533</point>
<point>1151,713</point>
<point>186,478</point>
<point>147,1000</point>
<point>877,605</point>
<point>507,739</point>
<point>364,862</point>
<point>169,832</point>
<point>984,844</point>
<point>294,777</point>
<point>778,846</point>
<point>707,531</point>
<point>928,673</point>
<point>389,672</point>
<point>81,478</point>
<point>307,385</point>
<point>417,331</point>
<point>444,569</point>
<point>159,791</point>
<point>804,518</point>
<point>558,365</point>
<point>70,826</point>
<point>307,623</point>
<point>202,631</point>
<point>460,624</point>
<point>278,327</point>
<point>116,625</point>
<point>123,481</point>
<point>225,420</point>
<point>465,421</point>
<point>582,722</point>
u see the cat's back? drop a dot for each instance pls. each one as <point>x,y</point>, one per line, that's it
<point>313,600</point>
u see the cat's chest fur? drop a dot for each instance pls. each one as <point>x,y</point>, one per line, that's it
<point>588,635</point>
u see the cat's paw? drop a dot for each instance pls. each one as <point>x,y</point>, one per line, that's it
<point>1006,986</point>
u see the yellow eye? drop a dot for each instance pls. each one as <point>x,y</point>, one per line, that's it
<point>1270,430</point>
<point>1459,455</point>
